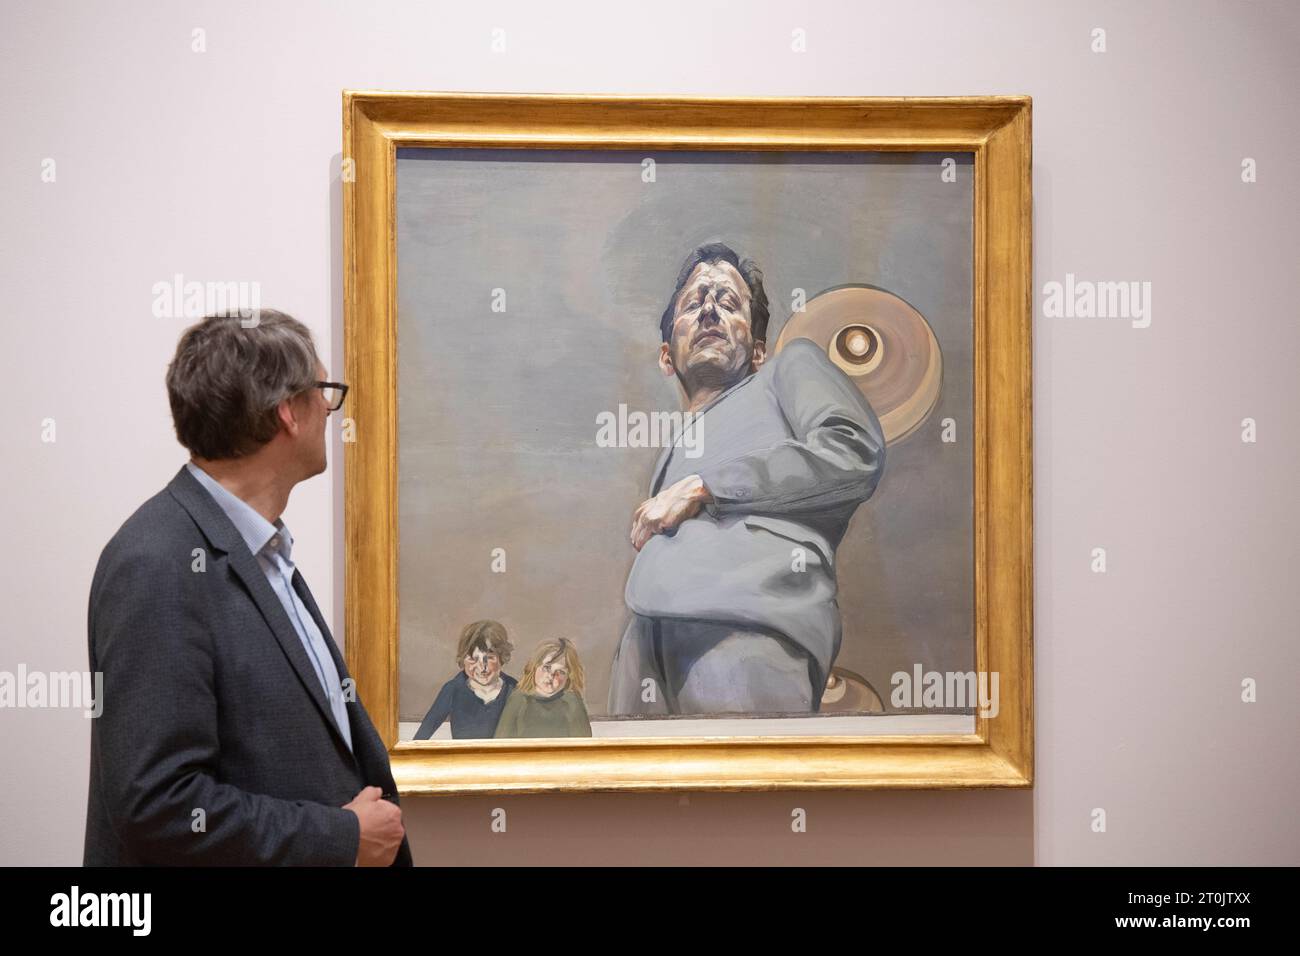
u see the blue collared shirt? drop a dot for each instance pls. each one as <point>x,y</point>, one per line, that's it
<point>272,545</point>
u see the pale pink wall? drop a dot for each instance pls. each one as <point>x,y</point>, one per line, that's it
<point>223,165</point>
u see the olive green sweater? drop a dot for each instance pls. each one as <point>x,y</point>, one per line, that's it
<point>526,715</point>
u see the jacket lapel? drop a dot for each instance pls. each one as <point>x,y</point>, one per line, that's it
<point>354,721</point>
<point>660,466</point>
<point>224,537</point>
<point>300,586</point>
<point>666,455</point>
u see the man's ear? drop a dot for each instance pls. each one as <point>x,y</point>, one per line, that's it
<point>288,415</point>
<point>666,360</point>
<point>760,354</point>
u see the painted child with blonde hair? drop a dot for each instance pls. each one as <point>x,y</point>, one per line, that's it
<point>548,701</point>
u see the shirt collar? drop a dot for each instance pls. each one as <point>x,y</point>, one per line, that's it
<point>256,531</point>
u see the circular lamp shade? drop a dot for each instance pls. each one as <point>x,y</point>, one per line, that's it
<point>880,342</point>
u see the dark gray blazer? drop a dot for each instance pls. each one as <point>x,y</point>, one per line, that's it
<point>211,704</point>
<point>787,454</point>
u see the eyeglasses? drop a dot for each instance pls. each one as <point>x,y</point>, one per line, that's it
<point>334,393</point>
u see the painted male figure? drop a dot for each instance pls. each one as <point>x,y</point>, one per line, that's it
<point>733,589</point>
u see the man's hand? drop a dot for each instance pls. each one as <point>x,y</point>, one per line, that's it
<point>668,509</point>
<point>381,827</point>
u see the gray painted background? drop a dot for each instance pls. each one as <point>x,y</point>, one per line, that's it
<point>497,411</point>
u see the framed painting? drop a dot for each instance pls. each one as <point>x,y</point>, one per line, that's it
<point>691,440</point>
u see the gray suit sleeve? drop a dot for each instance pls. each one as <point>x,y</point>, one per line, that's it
<point>836,454</point>
<point>159,740</point>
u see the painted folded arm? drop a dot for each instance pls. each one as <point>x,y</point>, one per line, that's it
<point>835,456</point>
<point>158,741</point>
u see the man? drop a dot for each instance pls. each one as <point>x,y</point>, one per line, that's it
<point>733,588</point>
<point>231,732</point>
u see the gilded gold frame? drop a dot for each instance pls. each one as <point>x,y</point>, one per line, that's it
<point>996,129</point>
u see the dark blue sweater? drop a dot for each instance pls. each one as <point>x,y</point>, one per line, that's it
<point>470,717</point>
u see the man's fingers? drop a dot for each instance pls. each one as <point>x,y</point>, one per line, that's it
<point>649,519</point>
<point>643,532</point>
<point>367,795</point>
<point>641,529</point>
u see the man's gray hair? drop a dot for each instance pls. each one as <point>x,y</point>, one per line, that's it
<point>226,381</point>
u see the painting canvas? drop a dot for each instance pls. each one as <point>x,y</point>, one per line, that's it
<point>685,443</point>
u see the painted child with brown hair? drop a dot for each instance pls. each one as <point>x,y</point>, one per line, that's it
<point>476,697</point>
<point>548,701</point>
